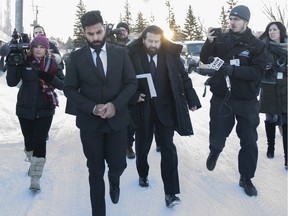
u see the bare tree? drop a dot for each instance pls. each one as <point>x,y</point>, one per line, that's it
<point>277,13</point>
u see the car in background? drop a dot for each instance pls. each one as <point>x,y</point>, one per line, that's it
<point>190,54</point>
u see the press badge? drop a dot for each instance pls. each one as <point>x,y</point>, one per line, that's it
<point>235,62</point>
<point>279,75</point>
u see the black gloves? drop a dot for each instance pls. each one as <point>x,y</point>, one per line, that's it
<point>227,69</point>
<point>48,77</point>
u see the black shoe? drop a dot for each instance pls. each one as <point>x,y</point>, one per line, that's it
<point>248,187</point>
<point>114,192</point>
<point>270,152</point>
<point>130,153</point>
<point>171,200</point>
<point>211,160</point>
<point>158,149</point>
<point>143,182</point>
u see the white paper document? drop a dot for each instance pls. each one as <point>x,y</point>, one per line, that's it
<point>150,83</point>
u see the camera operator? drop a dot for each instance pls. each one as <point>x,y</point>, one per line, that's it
<point>39,75</point>
<point>122,36</point>
<point>245,61</point>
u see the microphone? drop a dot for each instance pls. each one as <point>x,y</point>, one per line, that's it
<point>216,63</point>
<point>5,50</point>
<point>210,59</point>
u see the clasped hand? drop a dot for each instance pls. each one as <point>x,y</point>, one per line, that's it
<point>104,110</point>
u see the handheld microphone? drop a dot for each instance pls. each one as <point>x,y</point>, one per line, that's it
<point>5,50</point>
<point>210,59</point>
<point>216,63</point>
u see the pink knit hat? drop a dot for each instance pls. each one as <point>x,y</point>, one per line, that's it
<point>40,40</point>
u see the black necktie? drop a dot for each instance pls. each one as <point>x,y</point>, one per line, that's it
<point>99,62</point>
<point>152,66</point>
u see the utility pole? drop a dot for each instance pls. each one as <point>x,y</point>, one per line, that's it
<point>35,22</point>
<point>19,16</point>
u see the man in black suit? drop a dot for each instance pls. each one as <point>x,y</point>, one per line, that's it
<point>99,82</point>
<point>152,54</point>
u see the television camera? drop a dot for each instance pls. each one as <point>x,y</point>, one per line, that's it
<point>111,33</point>
<point>15,51</point>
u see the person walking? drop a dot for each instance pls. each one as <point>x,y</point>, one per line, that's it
<point>39,30</point>
<point>154,56</point>
<point>235,88</point>
<point>273,96</point>
<point>99,82</point>
<point>122,39</point>
<point>36,101</point>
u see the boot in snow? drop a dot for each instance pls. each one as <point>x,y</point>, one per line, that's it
<point>35,171</point>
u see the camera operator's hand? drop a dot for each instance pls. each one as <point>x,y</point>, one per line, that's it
<point>209,35</point>
<point>48,77</point>
<point>227,69</point>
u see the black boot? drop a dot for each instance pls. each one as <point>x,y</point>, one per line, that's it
<point>270,134</point>
<point>284,127</point>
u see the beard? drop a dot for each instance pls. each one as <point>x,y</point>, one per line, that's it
<point>151,51</point>
<point>97,46</point>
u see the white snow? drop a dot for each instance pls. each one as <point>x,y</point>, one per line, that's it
<point>65,189</point>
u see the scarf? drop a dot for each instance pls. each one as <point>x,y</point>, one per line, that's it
<point>48,65</point>
<point>277,60</point>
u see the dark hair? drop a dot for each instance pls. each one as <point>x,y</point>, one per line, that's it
<point>152,29</point>
<point>281,27</point>
<point>38,26</point>
<point>91,18</point>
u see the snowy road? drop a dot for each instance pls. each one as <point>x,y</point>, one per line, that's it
<point>65,190</point>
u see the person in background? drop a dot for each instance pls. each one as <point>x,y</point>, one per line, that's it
<point>122,37</point>
<point>39,30</point>
<point>99,82</point>
<point>273,96</point>
<point>36,101</point>
<point>245,61</point>
<point>152,54</point>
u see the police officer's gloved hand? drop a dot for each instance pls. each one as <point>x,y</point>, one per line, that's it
<point>48,77</point>
<point>227,69</point>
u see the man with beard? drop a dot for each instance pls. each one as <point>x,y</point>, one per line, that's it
<point>245,61</point>
<point>99,82</point>
<point>152,54</point>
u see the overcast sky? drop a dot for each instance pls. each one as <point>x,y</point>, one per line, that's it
<point>58,17</point>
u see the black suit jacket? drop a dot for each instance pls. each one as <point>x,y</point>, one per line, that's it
<point>85,87</point>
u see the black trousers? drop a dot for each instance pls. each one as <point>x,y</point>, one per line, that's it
<point>35,133</point>
<point>100,146</point>
<point>222,121</point>
<point>169,158</point>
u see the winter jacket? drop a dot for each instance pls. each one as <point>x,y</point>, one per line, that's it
<point>31,101</point>
<point>246,78</point>
<point>273,95</point>
<point>182,94</point>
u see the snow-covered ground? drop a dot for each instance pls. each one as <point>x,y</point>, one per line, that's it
<point>65,190</point>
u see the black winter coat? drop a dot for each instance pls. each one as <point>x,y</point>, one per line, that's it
<point>273,95</point>
<point>31,102</point>
<point>183,93</point>
<point>246,79</point>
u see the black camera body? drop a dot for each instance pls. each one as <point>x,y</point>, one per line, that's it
<point>17,48</point>
<point>110,33</point>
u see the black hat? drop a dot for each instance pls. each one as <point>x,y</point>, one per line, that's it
<point>123,25</point>
<point>241,11</point>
